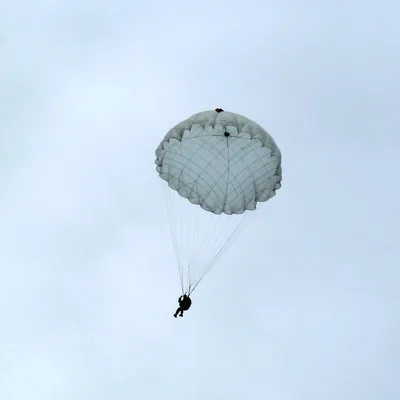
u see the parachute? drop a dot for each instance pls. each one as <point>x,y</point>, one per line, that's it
<point>218,165</point>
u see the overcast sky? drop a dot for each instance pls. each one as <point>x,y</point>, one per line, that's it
<point>305,303</point>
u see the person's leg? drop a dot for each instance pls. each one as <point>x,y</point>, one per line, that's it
<point>181,314</point>
<point>177,312</point>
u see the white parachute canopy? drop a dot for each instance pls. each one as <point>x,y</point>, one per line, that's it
<point>218,166</point>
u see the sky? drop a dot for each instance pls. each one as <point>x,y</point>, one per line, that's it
<point>303,305</point>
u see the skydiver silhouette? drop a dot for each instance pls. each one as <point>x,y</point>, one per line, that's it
<point>184,304</point>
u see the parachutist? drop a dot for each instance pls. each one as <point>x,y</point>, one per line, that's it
<point>184,304</point>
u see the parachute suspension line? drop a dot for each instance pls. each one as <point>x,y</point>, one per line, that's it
<point>222,248</point>
<point>189,281</point>
<point>200,237</point>
<point>172,218</point>
<point>186,222</point>
<point>213,239</point>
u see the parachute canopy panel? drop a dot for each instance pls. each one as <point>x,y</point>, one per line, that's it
<point>221,161</point>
